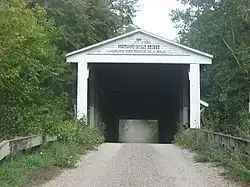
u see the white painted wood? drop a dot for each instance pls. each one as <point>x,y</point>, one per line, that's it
<point>148,49</point>
<point>194,77</point>
<point>145,34</point>
<point>23,143</point>
<point>204,103</point>
<point>140,47</point>
<point>139,44</point>
<point>4,149</point>
<point>50,138</point>
<point>82,90</point>
<point>13,146</point>
<point>144,59</point>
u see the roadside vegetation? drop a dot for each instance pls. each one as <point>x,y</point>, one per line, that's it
<point>37,86</point>
<point>237,165</point>
<point>221,28</point>
<point>41,164</point>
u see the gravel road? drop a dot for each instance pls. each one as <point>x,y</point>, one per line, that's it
<point>140,165</point>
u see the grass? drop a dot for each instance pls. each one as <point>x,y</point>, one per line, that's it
<point>37,166</point>
<point>236,164</point>
<point>33,167</point>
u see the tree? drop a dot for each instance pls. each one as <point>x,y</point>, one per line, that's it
<point>32,98</point>
<point>222,29</point>
<point>127,29</point>
<point>86,22</point>
<point>35,80</point>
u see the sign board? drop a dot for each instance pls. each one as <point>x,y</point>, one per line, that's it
<point>140,46</point>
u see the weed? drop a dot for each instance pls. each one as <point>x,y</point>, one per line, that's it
<point>236,164</point>
<point>41,164</point>
<point>201,158</point>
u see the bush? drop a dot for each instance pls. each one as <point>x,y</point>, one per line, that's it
<point>189,139</point>
<point>73,132</point>
<point>237,164</point>
<point>33,98</point>
<point>63,155</point>
<point>16,171</point>
<point>74,138</point>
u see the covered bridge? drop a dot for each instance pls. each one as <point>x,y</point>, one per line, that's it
<point>139,75</point>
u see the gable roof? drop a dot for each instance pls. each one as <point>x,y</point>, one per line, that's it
<point>134,32</point>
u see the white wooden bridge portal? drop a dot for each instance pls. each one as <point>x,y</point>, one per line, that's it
<point>139,75</point>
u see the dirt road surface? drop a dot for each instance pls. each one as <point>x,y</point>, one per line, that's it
<point>140,165</point>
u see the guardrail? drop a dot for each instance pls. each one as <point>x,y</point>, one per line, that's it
<point>13,146</point>
<point>227,141</point>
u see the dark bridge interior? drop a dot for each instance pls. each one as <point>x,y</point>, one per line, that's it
<point>140,91</point>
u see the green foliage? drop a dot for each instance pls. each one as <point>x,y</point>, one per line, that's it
<point>189,139</point>
<point>35,81</point>
<point>64,153</point>
<point>221,28</point>
<point>236,163</point>
<point>16,171</point>
<point>86,22</point>
<point>32,98</point>
<point>73,132</point>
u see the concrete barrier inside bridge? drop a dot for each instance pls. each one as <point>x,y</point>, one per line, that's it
<point>139,76</point>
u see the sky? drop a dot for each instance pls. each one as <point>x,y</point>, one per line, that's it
<point>154,17</point>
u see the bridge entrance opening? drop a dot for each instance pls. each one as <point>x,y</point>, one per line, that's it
<point>138,131</point>
<point>139,76</point>
<point>118,91</point>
